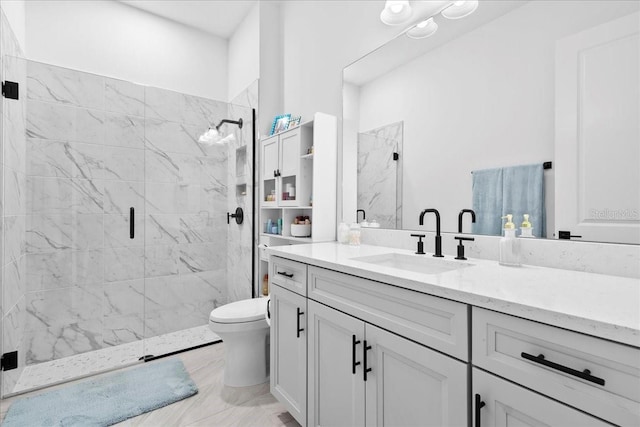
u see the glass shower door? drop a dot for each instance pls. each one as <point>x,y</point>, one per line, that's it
<point>73,282</point>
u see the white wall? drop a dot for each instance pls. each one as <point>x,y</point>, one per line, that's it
<point>14,10</point>
<point>320,39</point>
<point>244,53</point>
<point>116,40</point>
<point>271,64</point>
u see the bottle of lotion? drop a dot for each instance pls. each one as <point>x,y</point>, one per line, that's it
<point>509,245</point>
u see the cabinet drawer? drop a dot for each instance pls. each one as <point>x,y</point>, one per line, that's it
<point>291,275</point>
<point>511,347</point>
<point>435,322</point>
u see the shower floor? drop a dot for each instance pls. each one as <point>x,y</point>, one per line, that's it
<point>90,363</point>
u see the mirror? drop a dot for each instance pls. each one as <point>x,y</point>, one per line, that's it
<point>517,83</point>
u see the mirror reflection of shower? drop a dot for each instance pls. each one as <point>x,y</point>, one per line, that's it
<point>216,136</point>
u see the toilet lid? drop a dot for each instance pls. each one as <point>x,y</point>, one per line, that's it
<point>247,310</point>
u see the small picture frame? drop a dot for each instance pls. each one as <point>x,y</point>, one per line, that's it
<point>294,121</point>
<point>280,123</point>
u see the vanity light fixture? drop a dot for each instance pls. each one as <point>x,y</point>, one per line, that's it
<point>460,9</point>
<point>396,12</point>
<point>423,29</point>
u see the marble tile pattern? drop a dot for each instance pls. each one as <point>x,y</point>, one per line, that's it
<point>92,147</point>
<point>13,183</point>
<point>380,176</point>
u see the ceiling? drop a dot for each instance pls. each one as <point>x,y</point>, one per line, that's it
<point>217,17</point>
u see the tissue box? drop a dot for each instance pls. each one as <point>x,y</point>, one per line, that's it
<point>301,230</point>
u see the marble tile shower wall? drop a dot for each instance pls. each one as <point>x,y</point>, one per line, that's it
<point>97,146</point>
<point>380,176</point>
<point>12,206</point>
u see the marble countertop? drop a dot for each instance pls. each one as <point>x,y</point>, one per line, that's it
<point>596,304</point>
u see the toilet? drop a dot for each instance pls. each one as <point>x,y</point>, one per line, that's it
<point>245,332</point>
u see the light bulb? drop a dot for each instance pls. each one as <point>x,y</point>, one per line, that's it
<point>460,9</point>
<point>396,12</point>
<point>423,29</point>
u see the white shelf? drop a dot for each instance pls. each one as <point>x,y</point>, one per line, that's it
<point>289,238</point>
<point>307,156</point>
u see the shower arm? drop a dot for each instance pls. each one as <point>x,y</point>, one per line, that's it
<point>235,122</point>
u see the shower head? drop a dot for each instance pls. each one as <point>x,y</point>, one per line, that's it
<point>214,136</point>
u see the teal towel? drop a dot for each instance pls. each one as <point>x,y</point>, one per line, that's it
<point>487,201</point>
<point>515,190</point>
<point>106,400</point>
<point>523,193</point>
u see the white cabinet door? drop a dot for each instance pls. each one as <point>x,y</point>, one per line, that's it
<point>504,404</point>
<point>412,385</point>
<point>597,156</point>
<point>336,386</point>
<point>288,354</point>
<point>290,153</point>
<point>269,158</point>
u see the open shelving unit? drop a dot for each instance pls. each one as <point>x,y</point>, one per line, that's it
<point>298,178</point>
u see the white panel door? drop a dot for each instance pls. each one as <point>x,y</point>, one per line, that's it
<point>288,352</point>
<point>269,158</point>
<point>336,389</point>
<point>504,404</point>
<point>290,153</point>
<point>597,158</point>
<point>412,385</point>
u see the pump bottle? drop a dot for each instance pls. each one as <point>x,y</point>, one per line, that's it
<point>509,244</point>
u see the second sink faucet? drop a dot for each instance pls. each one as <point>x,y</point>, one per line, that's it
<point>462,212</point>
<point>438,253</point>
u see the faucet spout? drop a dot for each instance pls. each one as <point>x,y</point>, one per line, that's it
<point>364,214</point>
<point>462,212</point>
<point>438,253</point>
<point>435,211</point>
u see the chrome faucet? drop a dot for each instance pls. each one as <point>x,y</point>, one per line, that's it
<point>462,212</point>
<point>438,253</point>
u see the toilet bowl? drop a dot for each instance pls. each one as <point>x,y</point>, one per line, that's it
<point>245,332</point>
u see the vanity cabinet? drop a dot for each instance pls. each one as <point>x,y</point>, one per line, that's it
<point>361,375</point>
<point>500,403</point>
<point>593,375</point>
<point>288,350</point>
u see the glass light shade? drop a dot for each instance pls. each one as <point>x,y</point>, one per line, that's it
<point>423,29</point>
<point>396,12</point>
<point>460,9</point>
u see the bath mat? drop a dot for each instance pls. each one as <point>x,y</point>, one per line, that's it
<point>107,400</point>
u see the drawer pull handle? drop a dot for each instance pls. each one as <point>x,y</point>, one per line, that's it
<point>285,274</point>
<point>479,405</point>
<point>585,375</point>
<point>300,313</point>
<point>354,343</point>
<point>365,370</point>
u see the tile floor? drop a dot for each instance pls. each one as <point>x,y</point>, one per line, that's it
<point>214,405</point>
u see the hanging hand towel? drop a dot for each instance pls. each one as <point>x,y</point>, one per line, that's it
<point>487,201</point>
<point>523,193</point>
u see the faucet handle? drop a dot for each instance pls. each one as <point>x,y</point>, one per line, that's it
<point>460,239</point>
<point>420,250</point>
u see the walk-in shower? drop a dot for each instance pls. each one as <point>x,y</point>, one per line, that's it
<point>116,240</point>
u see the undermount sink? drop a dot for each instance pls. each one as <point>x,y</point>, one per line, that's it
<point>424,264</point>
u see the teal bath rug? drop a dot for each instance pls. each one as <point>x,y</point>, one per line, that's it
<point>107,400</point>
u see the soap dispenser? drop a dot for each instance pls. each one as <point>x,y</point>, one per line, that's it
<point>509,245</point>
<point>526,230</point>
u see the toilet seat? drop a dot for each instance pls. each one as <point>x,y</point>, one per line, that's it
<point>248,310</point>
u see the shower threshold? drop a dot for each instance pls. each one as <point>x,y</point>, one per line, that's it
<point>57,371</point>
